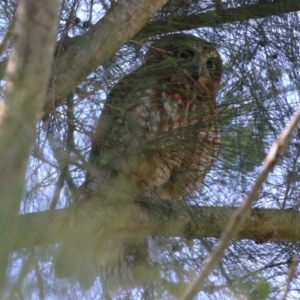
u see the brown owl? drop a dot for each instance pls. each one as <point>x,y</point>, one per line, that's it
<point>157,137</point>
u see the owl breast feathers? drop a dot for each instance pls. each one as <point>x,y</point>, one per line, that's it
<point>158,134</point>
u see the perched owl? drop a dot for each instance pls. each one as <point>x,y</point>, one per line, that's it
<point>157,137</point>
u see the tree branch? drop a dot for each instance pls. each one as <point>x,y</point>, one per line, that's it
<point>124,20</point>
<point>262,9</point>
<point>27,73</point>
<point>48,227</point>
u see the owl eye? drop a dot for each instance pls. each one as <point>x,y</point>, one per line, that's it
<point>185,54</point>
<point>211,64</point>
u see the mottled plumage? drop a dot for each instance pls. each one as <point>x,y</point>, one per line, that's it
<point>158,129</point>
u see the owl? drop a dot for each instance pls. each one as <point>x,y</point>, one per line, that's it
<point>156,138</point>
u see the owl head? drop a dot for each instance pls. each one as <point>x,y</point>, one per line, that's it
<point>191,56</point>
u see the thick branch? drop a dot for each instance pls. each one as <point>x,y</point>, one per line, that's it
<point>90,50</point>
<point>48,227</point>
<point>28,72</point>
<point>261,9</point>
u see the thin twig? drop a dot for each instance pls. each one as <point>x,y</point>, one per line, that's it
<point>7,36</point>
<point>293,264</point>
<point>26,268</point>
<point>237,221</point>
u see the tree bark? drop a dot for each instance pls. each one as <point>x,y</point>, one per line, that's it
<point>48,227</point>
<point>259,10</point>
<point>90,50</point>
<point>27,76</point>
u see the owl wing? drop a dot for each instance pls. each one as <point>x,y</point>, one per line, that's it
<point>116,135</point>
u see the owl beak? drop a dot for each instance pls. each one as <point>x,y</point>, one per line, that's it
<point>193,72</point>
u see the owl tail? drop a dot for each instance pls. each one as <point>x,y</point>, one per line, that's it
<point>136,269</point>
<point>118,265</point>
